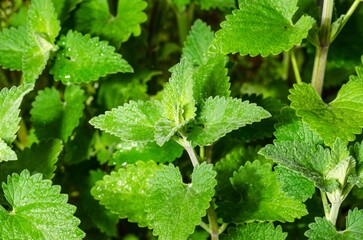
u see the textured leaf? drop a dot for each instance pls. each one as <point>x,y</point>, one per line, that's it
<point>94,17</point>
<point>124,192</point>
<point>85,59</point>
<point>40,158</point>
<point>172,203</point>
<point>61,116</point>
<point>10,100</point>
<point>39,211</point>
<point>210,79</point>
<point>323,229</point>
<point>262,27</point>
<point>6,153</point>
<point>312,161</point>
<point>219,116</point>
<point>294,184</point>
<point>131,152</point>
<point>197,43</point>
<point>13,44</point>
<point>342,118</point>
<point>357,153</point>
<point>134,121</point>
<point>42,19</point>
<point>260,197</point>
<point>260,231</point>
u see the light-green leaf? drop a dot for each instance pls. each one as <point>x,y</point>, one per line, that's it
<point>10,100</point>
<point>260,231</point>
<point>262,27</point>
<point>6,153</point>
<point>219,116</point>
<point>174,209</point>
<point>342,118</point>
<point>13,45</point>
<point>61,116</point>
<point>84,59</point>
<point>134,121</point>
<point>260,197</point>
<point>39,210</point>
<point>323,229</point>
<point>94,17</point>
<point>124,192</point>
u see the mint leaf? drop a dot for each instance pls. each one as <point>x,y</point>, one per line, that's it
<point>262,27</point>
<point>295,184</point>
<point>62,116</point>
<point>42,20</point>
<point>86,59</point>
<point>172,203</point>
<point>308,159</point>
<point>31,199</point>
<point>13,45</point>
<point>260,231</point>
<point>357,153</point>
<point>39,158</point>
<point>134,121</point>
<point>260,197</point>
<point>197,43</point>
<point>219,116</point>
<point>94,17</point>
<point>124,191</point>
<point>131,152</point>
<point>10,100</point>
<point>324,229</point>
<point>342,118</point>
<point>6,153</point>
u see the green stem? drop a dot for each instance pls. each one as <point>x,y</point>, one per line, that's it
<point>213,223</point>
<point>190,150</point>
<point>321,55</point>
<point>345,19</point>
<point>334,211</point>
<point>295,67</point>
<point>326,206</point>
<point>184,18</point>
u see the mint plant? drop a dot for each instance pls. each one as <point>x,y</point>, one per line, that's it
<point>181,119</point>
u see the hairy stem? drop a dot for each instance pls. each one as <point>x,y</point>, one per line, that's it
<point>213,223</point>
<point>190,150</point>
<point>334,211</point>
<point>295,67</point>
<point>326,206</point>
<point>322,50</point>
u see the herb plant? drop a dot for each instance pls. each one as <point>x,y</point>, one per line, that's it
<point>135,120</point>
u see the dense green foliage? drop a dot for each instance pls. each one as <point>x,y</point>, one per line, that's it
<point>181,119</point>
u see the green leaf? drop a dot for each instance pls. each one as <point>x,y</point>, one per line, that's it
<point>131,152</point>
<point>210,79</point>
<point>219,116</point>
<point>260,197</point>
<point>10,100</point>
<point>295,184</point>
<point>6,153</point>
<point>134,121</point>
<point>324,229</point>
<point>197,43</point>
<point>63,8</point>
<point>178,102</point>
<point>342,118</point>
<point>172,203</point>
<point>42,19</point>
<point>260,231</point>
<point>86,59</point>
<point>94,17</point>
<point>40,158</point>
<point>310,160</point>
<point>13,45</point>
<point>262,27</point>
<point>39,211</point>
<point>61,116</point>
<point>357,153</point>
<point>124,192</point>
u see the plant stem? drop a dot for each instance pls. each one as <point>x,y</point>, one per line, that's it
<point>326,206</point>
<point>317,80</point>
<point>190,150</point>
<point>334,211</point>
<point>295,67</point>
<point>213,223</point>
<point>345,19</point>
